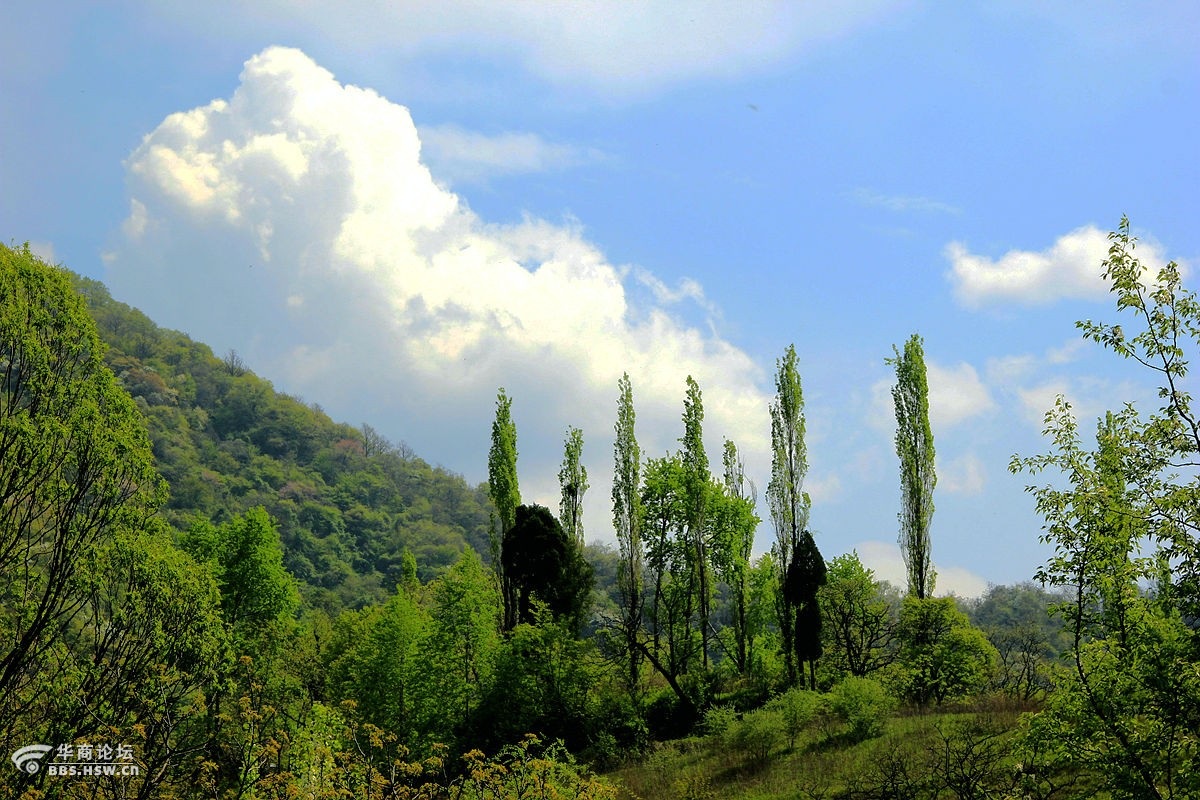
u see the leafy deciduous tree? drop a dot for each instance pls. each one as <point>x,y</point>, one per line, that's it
<point>788,501</point>
<point>247,558</point>
<point>75,465</point>
<point>573,480</point>
<point>914,446</point>
<point>504,491</point>
<point>942,656</point>
<point>734,523</point>
<point>860,624</point>
<point>627,518</point>
<point>1130,518</point>
<point>697,484</point>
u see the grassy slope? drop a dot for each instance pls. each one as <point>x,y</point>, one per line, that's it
<point>939,754</point>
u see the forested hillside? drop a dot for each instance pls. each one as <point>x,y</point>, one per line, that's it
<point>229,595</point>
<point>348,502</point>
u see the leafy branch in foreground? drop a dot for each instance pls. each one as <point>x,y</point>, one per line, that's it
<point>1126,547</point>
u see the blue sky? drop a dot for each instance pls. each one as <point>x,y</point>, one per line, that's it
<point>391,209</point>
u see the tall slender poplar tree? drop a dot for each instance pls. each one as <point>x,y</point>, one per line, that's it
<point>914,446</point>
<point>627,514</point>
<point>506,496</point>
<point>573,479</point>
<point>788,501</point>
<point>697,482</point>
<point>737,527</point>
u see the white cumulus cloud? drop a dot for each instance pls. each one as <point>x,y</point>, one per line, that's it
<point>956,394</point>
<point>1069,268</point>
<point>885,560</point>
<point>962,475</point>
<point>297,222</point>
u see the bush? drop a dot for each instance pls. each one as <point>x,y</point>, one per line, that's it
<point>718,720</point>
<point>864,705</point>
<point>797,709</point>
<point>756,735</point>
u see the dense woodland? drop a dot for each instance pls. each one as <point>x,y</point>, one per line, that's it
<point>260,602</point>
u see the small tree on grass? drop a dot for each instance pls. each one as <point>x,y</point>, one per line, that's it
<point>942,656</point>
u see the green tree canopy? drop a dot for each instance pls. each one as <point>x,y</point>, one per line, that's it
<point>942,655</point>
<point>75,463</point>
<point>1125,526</point>
<point>247,559</point>
<point>859,623</point>
<point>546,566</point>
<point>914,446</point>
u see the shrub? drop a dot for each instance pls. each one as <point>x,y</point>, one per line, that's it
<point>718,720</point>
<point>756,735</point>
<point>797,709</point>
<point>864,705</point>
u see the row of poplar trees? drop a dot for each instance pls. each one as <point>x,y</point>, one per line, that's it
<point>682,532</point>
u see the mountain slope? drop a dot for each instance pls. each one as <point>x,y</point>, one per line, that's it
<point>347,501</point>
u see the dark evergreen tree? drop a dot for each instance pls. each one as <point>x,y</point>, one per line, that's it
<point>805,577</point>
<point>545,565</point>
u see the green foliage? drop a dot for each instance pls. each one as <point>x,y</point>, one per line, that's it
<point>718,719</point>
<point>573,481</point>
<point>669,557</point>
<point>755,736</point>
<point>541,682</point>
<point>789,464</point>
<point>506,497</point>
<point>107,632</point>
<point>697,486</point>
<point>377,665</point>
<point>863,704</point>
<point>914,446</point>
<point>788,501</point>
<point>347,502</point>
<point>860,625</point>
<point>502,464</point>
<point>942,656</point>
<point>763,664</point>
<point>75,463</point>
<point>1129,517</point>
<point>247,560</point>
<point>1029,638</point>
<point>459,654</point>
<point>545,565</point>
<point>797,709</point>
<point>627,523</point>
<point>734,521</point>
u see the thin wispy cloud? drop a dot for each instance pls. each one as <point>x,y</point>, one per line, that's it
<point>901,203</point>
<point>459,156</point>
<point>614,49</point>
